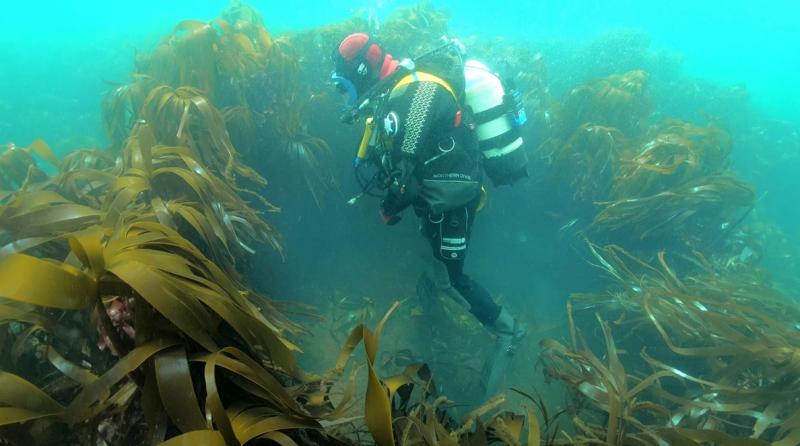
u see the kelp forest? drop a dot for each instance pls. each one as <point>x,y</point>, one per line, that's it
<point>128,314</point>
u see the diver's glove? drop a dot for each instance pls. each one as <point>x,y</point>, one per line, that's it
<point>402,189</point>
<point>397,199</point>
<point>389,212</point>
<point>389,219</point>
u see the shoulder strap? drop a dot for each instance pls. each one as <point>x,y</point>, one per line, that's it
<point>419,76</point>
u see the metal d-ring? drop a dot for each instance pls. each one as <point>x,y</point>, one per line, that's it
<point>443,150</point>
<point>452,145</point>
<point>441,218</point>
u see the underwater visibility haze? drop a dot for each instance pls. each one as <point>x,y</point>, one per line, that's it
<point>190,253</point>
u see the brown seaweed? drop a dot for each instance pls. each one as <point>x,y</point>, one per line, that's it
<point>618,101</point>
<point>123,318</point>
<point>18,166</point>
<point>222,87</point>
<point>677,153</point>
<point>740,333</point>
<point>694,211</point>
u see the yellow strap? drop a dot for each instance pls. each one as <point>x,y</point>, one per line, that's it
<point>419,76</point>
<point>369,126</point>
<point>484,197</point>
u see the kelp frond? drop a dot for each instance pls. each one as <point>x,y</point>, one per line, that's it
<point>231,64</point>
<point>18,166</point>
<point>738,334</point>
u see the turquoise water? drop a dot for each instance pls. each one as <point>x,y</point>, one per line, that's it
<point>59,57</point>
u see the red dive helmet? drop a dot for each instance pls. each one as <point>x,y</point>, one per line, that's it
<point>360,62</point>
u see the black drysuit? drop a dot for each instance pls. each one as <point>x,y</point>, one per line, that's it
<point>436,169</point>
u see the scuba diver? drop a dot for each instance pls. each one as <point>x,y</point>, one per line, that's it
<point>421,136</point>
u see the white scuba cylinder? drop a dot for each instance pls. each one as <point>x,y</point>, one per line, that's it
<point>484,91</point>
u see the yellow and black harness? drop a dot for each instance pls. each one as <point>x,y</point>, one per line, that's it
<point>370,137</point>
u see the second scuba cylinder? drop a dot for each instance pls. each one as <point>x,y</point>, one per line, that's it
<point>504,157</point>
